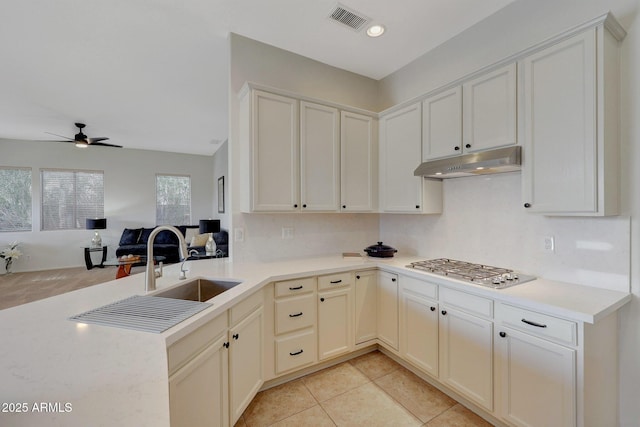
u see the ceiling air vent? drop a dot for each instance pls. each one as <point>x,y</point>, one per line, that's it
<point>349,17</point>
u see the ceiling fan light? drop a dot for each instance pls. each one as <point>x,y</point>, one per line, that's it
<point>82,144</point>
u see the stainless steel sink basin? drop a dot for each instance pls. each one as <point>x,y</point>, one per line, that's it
<point>198,289</point>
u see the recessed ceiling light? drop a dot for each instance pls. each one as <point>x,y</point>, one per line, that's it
<point>375,30</point>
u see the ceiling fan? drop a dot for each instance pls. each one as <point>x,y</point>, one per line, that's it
<point>81,140</point>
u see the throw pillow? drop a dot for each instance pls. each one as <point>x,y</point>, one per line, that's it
<point>144,235</point>
<point>191,232</point>
<point>130,236</point>
<point>166,237</point>
<point>199,239</point>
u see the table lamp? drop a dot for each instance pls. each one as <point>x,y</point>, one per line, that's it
<point>210,226</point>
<point>96,224</point>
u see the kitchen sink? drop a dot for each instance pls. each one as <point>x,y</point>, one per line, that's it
<point>198,289</point>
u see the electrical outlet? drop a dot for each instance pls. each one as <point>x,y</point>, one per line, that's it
<point>238,234</point>
<point>549,244</point>
<point>287,233</point>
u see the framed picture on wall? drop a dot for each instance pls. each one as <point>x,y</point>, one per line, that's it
<point>221,194</point>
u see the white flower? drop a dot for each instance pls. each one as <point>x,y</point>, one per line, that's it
<point>11,252</point>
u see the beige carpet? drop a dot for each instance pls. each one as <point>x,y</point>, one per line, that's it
<point>21,288</point>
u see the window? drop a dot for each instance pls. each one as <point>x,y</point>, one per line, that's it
<point>15,199</point>
<point>69,197</point>
<point>173,199</point>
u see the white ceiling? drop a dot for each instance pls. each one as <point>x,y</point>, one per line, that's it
<point>152,74</point>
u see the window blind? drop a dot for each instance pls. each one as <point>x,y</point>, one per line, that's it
<point>15,199</point>
<point>69,197</point>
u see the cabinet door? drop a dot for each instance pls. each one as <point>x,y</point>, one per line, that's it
<point>419,332</point>
<point>245,362</point>
<point>198,392</point>
<point>358,164</point>
<point>335,328</point>
<point>319,157</point>
<point>466,362</point>
<point>400,151</point>
<point>388,309</point>
<point>366,305</point>
<point>489,110</point>
<point>538,380</point>
<point>274,153</point>
<point>442,124</point>
<point>559,127</point>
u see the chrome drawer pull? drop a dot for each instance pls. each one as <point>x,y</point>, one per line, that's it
<point>297,288</point>
<point>537,325</point>
<point>295,353</point>
<point>296,315</point>
<point>333,282</point>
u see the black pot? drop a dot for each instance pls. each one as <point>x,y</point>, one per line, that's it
<point>380,251</point>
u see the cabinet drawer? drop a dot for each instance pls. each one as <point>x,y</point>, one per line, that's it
<point>419,287</point>
<point>180,352</point>
<point>295,313</point>
<point>542,325</point>
<point>295,287</point>
<point>470,303</point>
<point>296,350</point>
<point>244,307</point>
<point>334,280</point>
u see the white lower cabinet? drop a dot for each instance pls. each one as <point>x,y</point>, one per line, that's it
<point>295,325</point>
<point>419,324</point>
<point>537,380</point>
<point>245,362</point>
<point>523,367</point>
<point>466,354</point>
<point>335,315</point>
<point>388,309</point>
<point>199,390</point>
<point>366,290</point>
<point>295,350</point>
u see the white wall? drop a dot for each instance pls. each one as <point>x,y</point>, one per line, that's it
<point>483,220</point>
<point>221,169</point>
<point>314,234</point>
<point>129,195</point>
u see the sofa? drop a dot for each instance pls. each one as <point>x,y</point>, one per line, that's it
<point>134,241</point>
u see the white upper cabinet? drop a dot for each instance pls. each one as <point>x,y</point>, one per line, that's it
<point>302,156</point>
<point>569,127</point>
<point>400,154</point>
<point>479,115</point>
<point>269,135</point>
<point>442,124</point>
<point>319,157</point>
<point>489,110</point>
<point>359,162</point>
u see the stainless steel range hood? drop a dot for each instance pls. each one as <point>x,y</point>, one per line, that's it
<point>482,163</point>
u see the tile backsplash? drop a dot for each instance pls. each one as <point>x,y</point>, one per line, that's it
<point>484,221</point>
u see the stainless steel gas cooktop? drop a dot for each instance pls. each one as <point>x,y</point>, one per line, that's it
<point>479,274</point>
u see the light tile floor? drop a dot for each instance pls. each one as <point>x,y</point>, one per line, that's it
<point>370,390</point>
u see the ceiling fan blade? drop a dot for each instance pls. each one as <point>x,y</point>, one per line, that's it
<point>98,139</point>
<point>61,136</point>
<point>105,144</point>
<point>57,140</point>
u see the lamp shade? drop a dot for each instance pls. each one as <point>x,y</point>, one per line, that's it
<point>96,223</point>
<point>209,226</point>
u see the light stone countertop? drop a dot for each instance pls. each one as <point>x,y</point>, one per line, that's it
<point>105,376</point>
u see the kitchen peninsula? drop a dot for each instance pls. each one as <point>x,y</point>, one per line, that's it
<point>96,375</point>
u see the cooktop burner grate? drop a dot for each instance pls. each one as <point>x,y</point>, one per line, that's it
<point>486,275</point>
